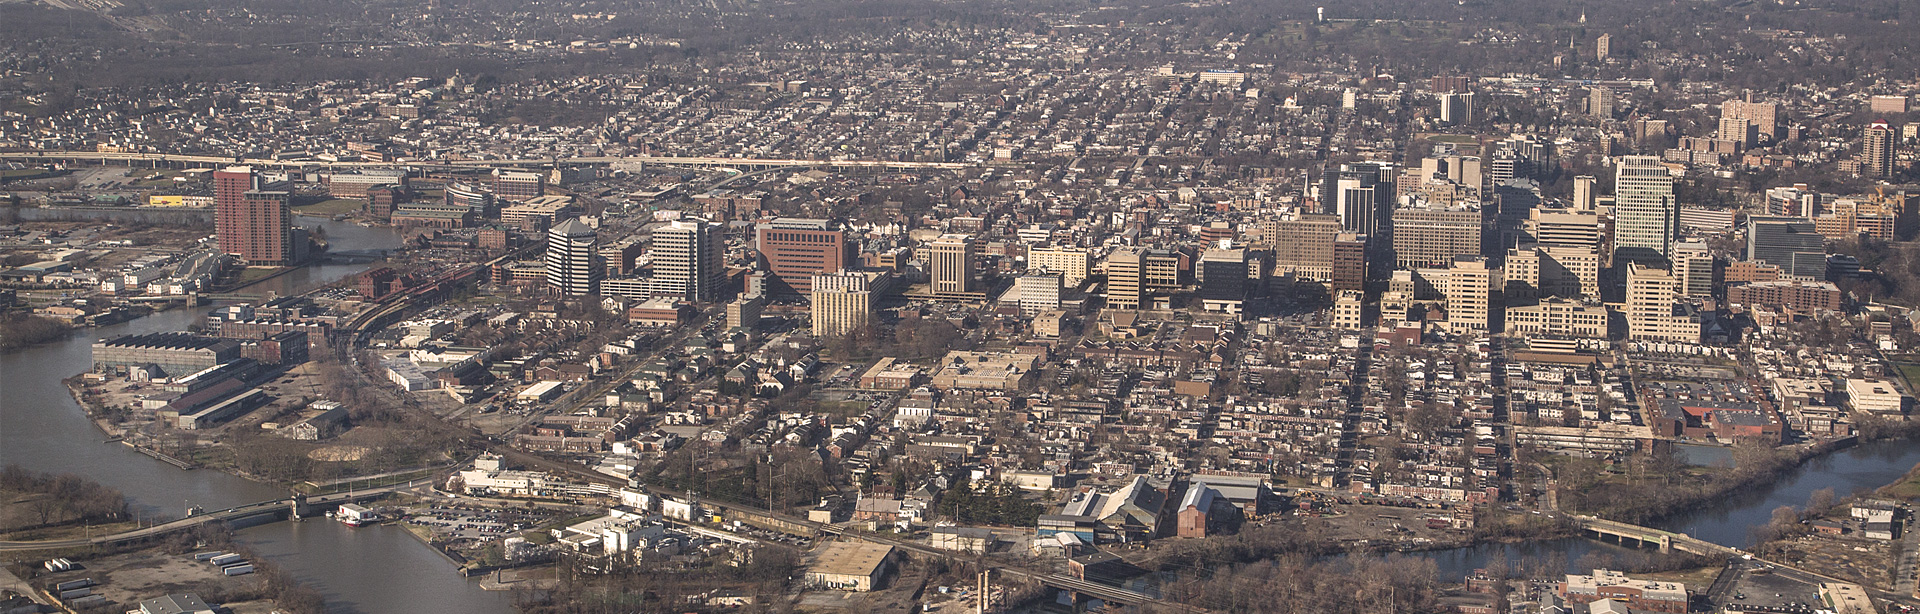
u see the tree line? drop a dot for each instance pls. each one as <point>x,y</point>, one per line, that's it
<point>64,498</point>
<point>23,330</point>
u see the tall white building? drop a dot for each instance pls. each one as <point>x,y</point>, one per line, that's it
<point>1653,309</point>
<point>571,258</point>
<point>1584,198</point>
<point>1072,263</point>
<point>841,303</point>
<point>1469,294</point>
<point>689,260</point>
<point>1038,293</point>
<point>1645,213</point>
<point>952,257</point>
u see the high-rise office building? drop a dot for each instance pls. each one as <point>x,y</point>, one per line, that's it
<point>952,258</point>
<point>1303,246</point>
<point>689,260</point>
<point>1653,311</point>
<point>572,260</point>
<point>1456,108</point>
<point>1565,226</point>
<point>842,302</point>
<point>1071,263</point>
<point>1357,204</point>
<point>1645,214</point>
<point>1470,282</point>
<point>1603,47</point>
<point>1223,280</point>
<point>1165,269</point>
<point>1877,150</point>
<point>1584,196</point>
<point>1125,284</point>
<point>1793,244</point>
<point>1567,271</point>
<point>1360,194</point>
<point>1349,262</point>
<point>796,249</point>
<point>1696,268</point>
<point>251,223</point>
<point>1037,293</point>
<point>1505,167</point>
<point>1427,237</point>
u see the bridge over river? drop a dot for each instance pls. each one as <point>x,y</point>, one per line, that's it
<point>291,506</point>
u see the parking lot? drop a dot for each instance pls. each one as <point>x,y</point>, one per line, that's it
<point>1771,592</point>
<point>475,524</point>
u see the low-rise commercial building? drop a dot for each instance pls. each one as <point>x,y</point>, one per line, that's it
<point>850,566</point>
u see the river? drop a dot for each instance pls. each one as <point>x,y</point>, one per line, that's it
<point>1730,522</point>
<point>360,571</point>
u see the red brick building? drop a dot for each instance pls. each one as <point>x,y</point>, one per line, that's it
<point>253,224</point>
<point>797,249</point>
<point>1794,295</point>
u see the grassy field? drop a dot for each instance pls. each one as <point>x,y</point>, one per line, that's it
<point>332,207</point>
<point>23,174</point>
<point>256,273</point>
<point>1908,488</point>
<point>1911,372</point>
<point>1692,577</point>
<point>68,532</point>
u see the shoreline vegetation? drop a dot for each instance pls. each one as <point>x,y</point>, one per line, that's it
<point>23,331</point>
<point>1267,568</point>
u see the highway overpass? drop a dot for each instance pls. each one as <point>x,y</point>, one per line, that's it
<point>192,161</point>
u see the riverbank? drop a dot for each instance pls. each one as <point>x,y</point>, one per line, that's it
<point>1667,491</point>
<point>28,331</point>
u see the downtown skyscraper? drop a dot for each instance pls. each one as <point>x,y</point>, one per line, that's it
<point>1645,214</point>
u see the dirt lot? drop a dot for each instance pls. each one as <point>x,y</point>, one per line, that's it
<point>1355,522</point>
<point>1869,561</point>
<point>132,577</point>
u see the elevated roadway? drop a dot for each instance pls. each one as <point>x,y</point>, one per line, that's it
<point>156,160</point>
<point>276,506</point>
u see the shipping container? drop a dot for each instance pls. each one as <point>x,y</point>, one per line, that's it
<point>75,593</point>
<point>73,584</point>
<point>87,602</point>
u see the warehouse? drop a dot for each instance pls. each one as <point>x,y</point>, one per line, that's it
<point>175,354</point>
<point>849,566</point>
